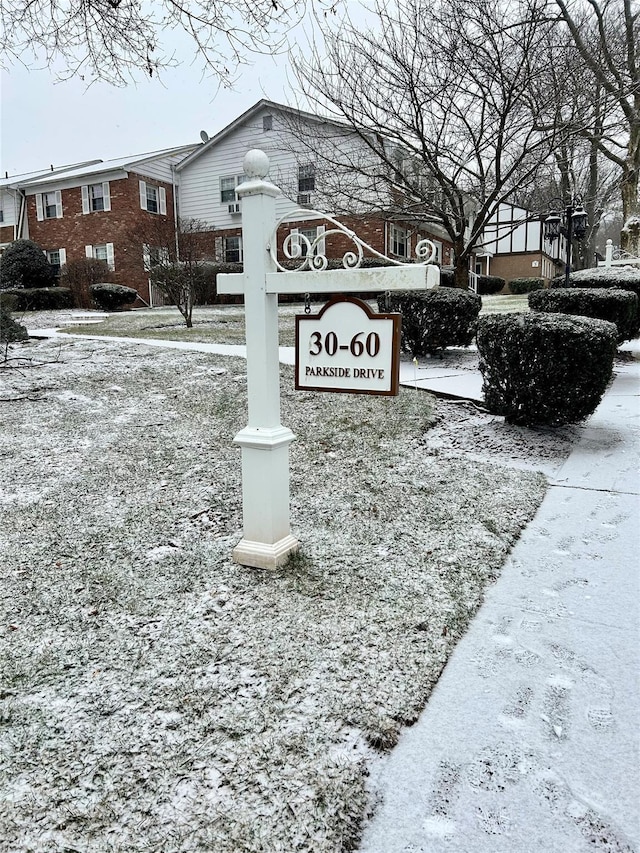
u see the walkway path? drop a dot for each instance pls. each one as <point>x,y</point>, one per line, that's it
<point>529,742</point>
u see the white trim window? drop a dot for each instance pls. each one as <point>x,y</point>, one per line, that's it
<point>399,241</point>
<point>102,252</point>
<point>306,177</point>
<point>312,234</point>
<point>57,258</point>
<point>49,205</point>
<point>153,198</point>
<point>228,186</point>
<point>232,249</point>
<point>96,197</point>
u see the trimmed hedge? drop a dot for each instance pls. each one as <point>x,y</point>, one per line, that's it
<point>525,285</point>
<point>621,278</point>
<point>616,306</point>
<point>544,368</point>
<point>488,284</point>
<point>111,297</point>
<point>39,298</point>
<point>433,319</point>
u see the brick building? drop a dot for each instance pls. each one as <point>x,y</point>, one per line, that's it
<point>99,209</point>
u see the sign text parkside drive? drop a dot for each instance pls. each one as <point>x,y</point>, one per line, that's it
<point>348,348</point>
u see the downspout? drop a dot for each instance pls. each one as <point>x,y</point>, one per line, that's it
<point>175,210</point>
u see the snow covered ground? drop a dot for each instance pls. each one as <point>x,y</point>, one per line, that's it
<point>155,696</point>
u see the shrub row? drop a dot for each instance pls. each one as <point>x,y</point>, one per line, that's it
<point>38,298</point>
<point>433,319</point>
<point>616,306</point>
<point>10,331</point>
<point>543,368</point>
<point>620,278</point>
<point>518,286</point>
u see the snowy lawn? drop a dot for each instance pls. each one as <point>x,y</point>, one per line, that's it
<point>157,697</point>
<point>221,324</point>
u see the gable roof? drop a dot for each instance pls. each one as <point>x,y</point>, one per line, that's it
<point>246,116</point>
<point>93,167</point>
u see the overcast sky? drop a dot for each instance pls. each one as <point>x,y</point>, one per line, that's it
<point>44,122</point>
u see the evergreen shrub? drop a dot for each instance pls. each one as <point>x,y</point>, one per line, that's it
<point>619,277</point>
<point>616,306</point>
<point>488,284</point>
<point>112,297</point>
<point>40,298</point>
<point>10,330</point>
<point>517,286</point>
<point>23,264</point>
<point>542,368</point>
<point>433,319</point>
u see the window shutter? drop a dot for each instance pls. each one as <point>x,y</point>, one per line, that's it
<point>240,247</point>
<point>143,194</point>
<point>218,249</point>
<point>85,199</point>
<point>39,208</point>
<point>321,244</point>
<point>58,204</point>
<point>106,195</point>
<point>88,250</point>
<point>162,199</point>
<point>63,257</point>
<point>146,257</point>
<point>110,257</point>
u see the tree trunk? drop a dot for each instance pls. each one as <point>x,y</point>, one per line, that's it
<point>630,234</point>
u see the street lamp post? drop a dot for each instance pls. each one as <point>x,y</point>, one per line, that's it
<point>571,223</point>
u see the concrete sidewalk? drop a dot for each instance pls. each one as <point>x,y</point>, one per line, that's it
<point>529,742</point>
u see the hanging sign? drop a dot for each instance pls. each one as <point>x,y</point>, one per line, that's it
<point>348,348</point>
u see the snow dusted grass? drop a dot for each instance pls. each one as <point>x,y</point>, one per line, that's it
<point>157,697</point>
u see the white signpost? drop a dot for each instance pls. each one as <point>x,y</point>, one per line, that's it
<point>267,541</point>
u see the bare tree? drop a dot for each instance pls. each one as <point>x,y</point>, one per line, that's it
<point>440,97</point>
<point>606,36</point>
<point>176,260</point>
<point>112,40</point>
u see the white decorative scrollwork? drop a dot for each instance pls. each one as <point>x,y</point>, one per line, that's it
<point>298,247</point>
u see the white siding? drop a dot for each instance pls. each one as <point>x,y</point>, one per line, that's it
<point>200,181</point>
<point>160,169</point>
<point>9,204</point>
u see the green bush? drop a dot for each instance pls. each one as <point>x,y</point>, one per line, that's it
<point>10,331</point>
<point>488,284</point>
<point>23,264</point>
<point>434,319</point>
<point>40,298</point>
<point>525,285</point>
<point>621,278</point>
<point>544,368</point>
<point>616,306</point>
<point>112,297</point>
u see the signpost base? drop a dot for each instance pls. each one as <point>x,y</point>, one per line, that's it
<point>259,555</point>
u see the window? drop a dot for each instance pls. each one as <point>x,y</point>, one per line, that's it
<point>49,205</point>
<point>399,241</point>
<point>232,248</point>
<point>228,185</point>
<point>311,234</point>
<point>152,198</point>
<point>102,252</point>
<point>153,256</point>
<point>57,258</point>
<point>1,215</point>
<point>267,123</point>
<point>96,197</point>
<point>306,178</point>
